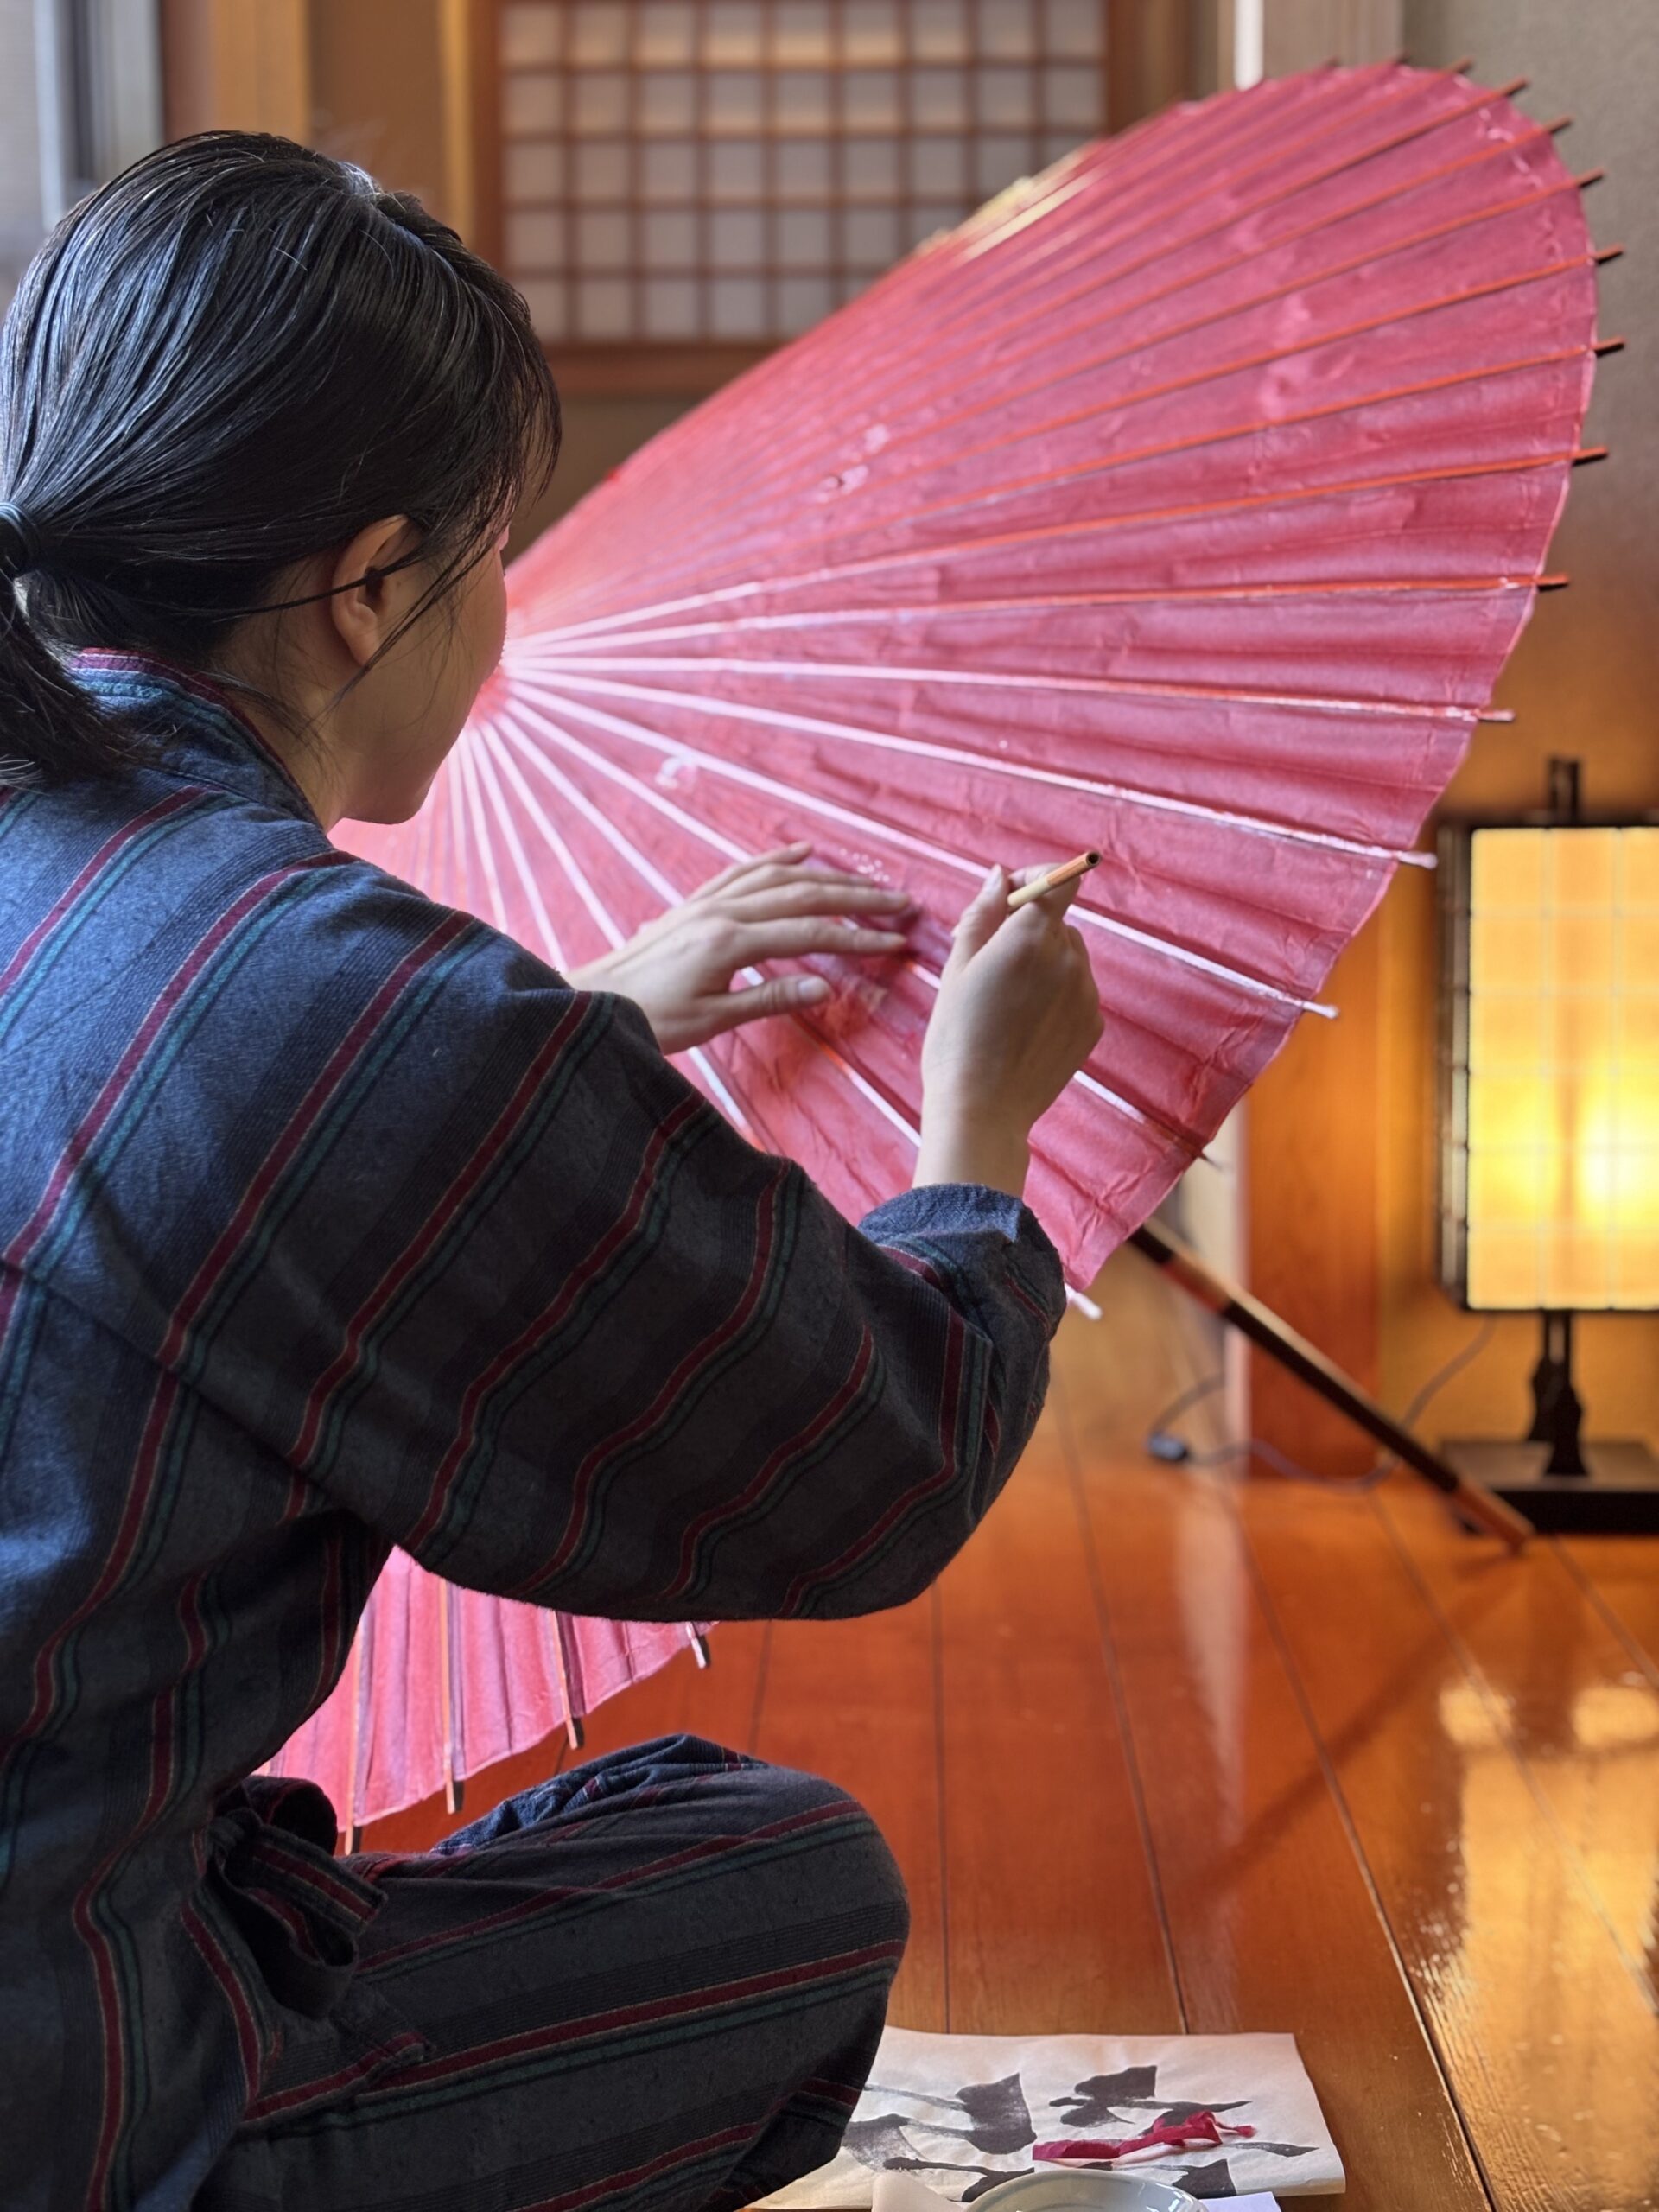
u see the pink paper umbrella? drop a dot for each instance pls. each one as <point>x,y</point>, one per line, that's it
<point>442,1682</point>
<point>1182,504</point>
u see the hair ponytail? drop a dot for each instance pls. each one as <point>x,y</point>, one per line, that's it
<point>232,358</point>
<point>58,730</point>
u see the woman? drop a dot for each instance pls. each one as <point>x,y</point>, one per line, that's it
<point>330,1220</point>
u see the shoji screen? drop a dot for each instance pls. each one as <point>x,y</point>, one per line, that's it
<point>730,170</point>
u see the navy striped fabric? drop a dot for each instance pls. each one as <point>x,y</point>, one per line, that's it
<point>330,1219</point>
<point>655,1983</point>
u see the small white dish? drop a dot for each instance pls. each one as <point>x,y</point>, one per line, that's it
<point>1084,2188</point>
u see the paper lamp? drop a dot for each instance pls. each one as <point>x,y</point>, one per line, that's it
<point>1550,1188</point>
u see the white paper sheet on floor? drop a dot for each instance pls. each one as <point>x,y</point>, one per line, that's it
<point>961,2111</point>
<point>904,2193</point>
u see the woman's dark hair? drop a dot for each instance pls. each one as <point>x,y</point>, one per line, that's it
<point>234,357</point>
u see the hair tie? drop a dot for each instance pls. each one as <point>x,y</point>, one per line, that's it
<point>19,547</point>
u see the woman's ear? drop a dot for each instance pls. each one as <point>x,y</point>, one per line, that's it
<point>372,592</point>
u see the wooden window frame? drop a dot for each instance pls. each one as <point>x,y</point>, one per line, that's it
<point>1155,63</point>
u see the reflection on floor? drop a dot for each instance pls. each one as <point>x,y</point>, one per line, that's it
<point>1165,1749</point>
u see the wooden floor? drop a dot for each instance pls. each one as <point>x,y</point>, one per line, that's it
<point>1162,1751</point>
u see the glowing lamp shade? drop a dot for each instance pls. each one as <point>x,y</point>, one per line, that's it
<point>1550,1166</point>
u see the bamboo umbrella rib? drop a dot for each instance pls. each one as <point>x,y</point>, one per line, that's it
<point>964,549</point>
<point>954,610</point>
<point>1253,425</point>
<point>1112,687</point>
<point>522,868</point>
<point>961,756</point>
<point>1184,956</point>
<point>1161,213</point>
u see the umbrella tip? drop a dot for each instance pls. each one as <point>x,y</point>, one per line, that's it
<point>1589,177</point>
<point>1610,344</point>
<point>1554,129</point>
<point>1586,455</point>
<point>1554,583</point>
<point>1608,252</point>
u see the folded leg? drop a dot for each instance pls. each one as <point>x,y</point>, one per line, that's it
<point>657,1981</point>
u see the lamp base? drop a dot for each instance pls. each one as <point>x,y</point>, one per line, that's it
<point>1619,1496</point>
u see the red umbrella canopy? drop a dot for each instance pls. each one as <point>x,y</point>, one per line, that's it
<point>1184,504</point>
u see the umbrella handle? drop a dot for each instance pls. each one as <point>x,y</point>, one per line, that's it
<point>1474,1504</point>
<point>573,1728</point>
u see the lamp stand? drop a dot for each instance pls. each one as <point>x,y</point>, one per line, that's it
<point>1562,1483</point>
<point>1557,1412</point>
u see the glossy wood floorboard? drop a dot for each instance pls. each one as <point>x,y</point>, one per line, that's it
<point>1167,1748</point>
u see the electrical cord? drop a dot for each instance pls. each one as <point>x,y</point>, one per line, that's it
<point>1163,1443</point>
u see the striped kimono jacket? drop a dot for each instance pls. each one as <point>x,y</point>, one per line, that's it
<point>331,1220</point>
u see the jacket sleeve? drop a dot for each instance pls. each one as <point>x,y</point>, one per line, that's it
<point>542,1317</point>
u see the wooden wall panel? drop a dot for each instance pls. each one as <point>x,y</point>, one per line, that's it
<point>238,65</point>
<point>1312,1139</point>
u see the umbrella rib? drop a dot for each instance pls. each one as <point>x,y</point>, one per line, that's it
<point>481,832</point>
<point>951,610</point>
<point>1049,533</point>
<point>963,756</point>
<point>617,774</point>
<point>486,768</point>
<point>598,912</point>
<point>1184,956</point>
<point>985,679</point>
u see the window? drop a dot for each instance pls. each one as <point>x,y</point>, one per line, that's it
<point>80,98</point>
<point>697,170</point>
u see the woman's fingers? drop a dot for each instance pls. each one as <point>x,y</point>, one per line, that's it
<point>789,939</point>
<point>813,895</point>
<point>778,994</point>
<point>780,855</point>
<point>785,868</point>
<point>981,918</point>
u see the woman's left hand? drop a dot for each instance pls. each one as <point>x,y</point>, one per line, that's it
<point>679,968</point>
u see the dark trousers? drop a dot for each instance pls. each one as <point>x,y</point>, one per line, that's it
<point>655,1983</point>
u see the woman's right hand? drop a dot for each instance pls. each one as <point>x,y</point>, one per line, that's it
<point>1018,1014</point>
